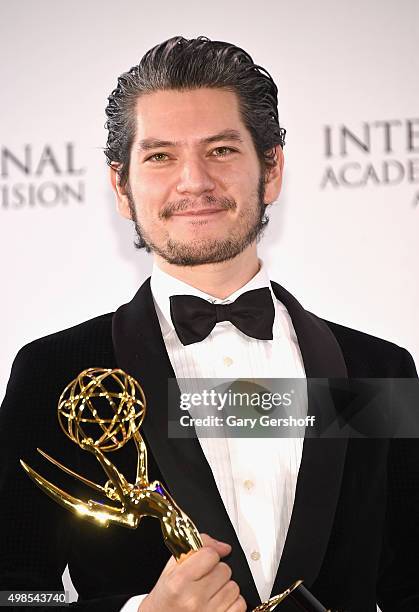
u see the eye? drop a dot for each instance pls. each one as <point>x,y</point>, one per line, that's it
<point>157,157</point>
<point>223,151</point>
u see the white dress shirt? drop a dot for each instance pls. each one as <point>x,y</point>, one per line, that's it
<point>256,478</point>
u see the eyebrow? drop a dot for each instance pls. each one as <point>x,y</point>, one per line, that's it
<point>154,143</point>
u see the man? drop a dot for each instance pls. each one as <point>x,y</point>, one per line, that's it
<point>195,154</point>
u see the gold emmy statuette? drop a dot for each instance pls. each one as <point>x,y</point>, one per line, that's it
<point>101,410</point>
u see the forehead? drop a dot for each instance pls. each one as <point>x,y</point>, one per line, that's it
<point>188,115</point>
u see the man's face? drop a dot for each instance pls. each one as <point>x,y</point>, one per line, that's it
<point>195,188</point>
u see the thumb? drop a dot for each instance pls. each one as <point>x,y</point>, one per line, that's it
<point>222,548</point>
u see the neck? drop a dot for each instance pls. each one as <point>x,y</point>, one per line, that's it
<point>217,279</point>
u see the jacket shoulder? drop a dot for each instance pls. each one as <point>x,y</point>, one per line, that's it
<point>97,330</point>
<point>367,355</point>
<point>61,356</point>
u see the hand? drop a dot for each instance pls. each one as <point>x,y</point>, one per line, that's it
<point>200,583</point>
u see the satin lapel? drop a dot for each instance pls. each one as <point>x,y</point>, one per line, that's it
<point>141,352</point>
<point>320,475</point>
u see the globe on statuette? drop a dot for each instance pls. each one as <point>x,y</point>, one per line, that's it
<point>102,406</point>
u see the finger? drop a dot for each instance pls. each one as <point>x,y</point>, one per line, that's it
<point>185,556</point>
<point>238,606</point>
<point>222,548</point>
<point>225,597</point>
<point>199,563</point>
<point>172,563</point>
<point>215,580</point>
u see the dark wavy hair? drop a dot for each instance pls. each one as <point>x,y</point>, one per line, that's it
<point>184,64</point>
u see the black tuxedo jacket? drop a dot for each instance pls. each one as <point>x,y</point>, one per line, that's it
<point>354,532</point>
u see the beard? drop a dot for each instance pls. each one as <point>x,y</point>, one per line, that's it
<point>249,227</point>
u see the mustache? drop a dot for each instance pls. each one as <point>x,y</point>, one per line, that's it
<point>186,204</point>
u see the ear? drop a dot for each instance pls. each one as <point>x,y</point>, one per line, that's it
<point>273,176</point>
<point>120,192</point>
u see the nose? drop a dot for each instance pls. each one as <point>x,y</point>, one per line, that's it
<point>194,178</point>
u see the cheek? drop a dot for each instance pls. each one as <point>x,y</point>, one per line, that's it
<point>149,194</point>
<point>243,178</point>
<point>232,184</point>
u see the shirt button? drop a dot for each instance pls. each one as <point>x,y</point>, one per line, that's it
<point>248,484</point>
<point>255,556</point>
<point>227,361</point>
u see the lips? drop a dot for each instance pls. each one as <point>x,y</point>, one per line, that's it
<point>198,212</point>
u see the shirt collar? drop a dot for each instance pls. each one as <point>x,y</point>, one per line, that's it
<point>164,285</point>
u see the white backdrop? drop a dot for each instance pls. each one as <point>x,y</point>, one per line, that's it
<point>343,236</point>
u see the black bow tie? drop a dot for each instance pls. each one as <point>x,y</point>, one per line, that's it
<point>194,318</point>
